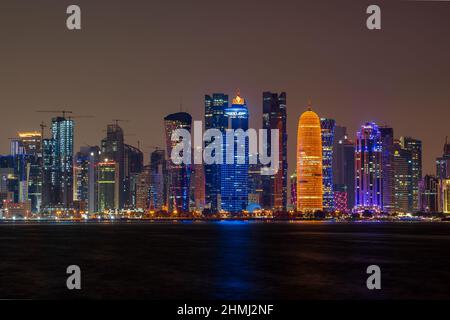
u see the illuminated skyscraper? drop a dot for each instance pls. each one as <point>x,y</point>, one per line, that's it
<point>414,146</point>
<point>143,186</point>
<point>158,180</point>
<point>388,172</point>
<point>368,170</point>
<point>215,118</point>
<point>429,194</point>
<point>274,195</point>
<point>197,187</point>
<point>234,177</point>
<point>108,185</point>
<point>48,177</point>
<point>28,144</point>
<point>343,169</point>
<point>327,127</point>
<point>133,166</point>
<point>293,181</point>
<point>309,163</point>
<point>402,168</point>
<point>445,187</point>
<point>443,163</point>
<point>85,178</point>
<point>179,175</point>
<point>113,148</point>
<point>62,134</point>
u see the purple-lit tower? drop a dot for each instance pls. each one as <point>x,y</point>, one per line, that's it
<point>368,169</point>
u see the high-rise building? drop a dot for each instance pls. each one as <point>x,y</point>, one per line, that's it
<point>48,176</point>
<point>255,190</point>
<point>28,144</point>
<point>158,180</point>
<point>443,163</point>
<point>327,133</point>
<point>402,165</point>
<point>63,135</point>
<point>143,185</point>
<point>368,169</point>
<point>429,194</point>
<point>274,195</point>
<point>343,169</point>
<point>85,178</point>
<point>198,187</point>
<point>293,181</point>
<point>445,187</point>
<point>387,167</point>
<point>108,185</point>
<point>234,177</point>
<point>414,146</point>
<point>340,135</point>
<point>215,118</point>
<point>133,166</point>
<point>179,175</point>
<point>309,163</point>
<point>113,148</point>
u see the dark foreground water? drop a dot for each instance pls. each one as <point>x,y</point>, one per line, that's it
<point>226,260</point>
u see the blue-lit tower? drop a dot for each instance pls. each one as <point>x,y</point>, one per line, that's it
<point>215,118</point>
<point>62,134</point>
<point>368,169</point>
<point>327,131</point>
<point>234,177</point>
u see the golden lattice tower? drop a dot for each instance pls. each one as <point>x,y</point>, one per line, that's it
<point>309,163</point>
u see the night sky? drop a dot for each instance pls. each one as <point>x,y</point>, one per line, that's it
<point>140,60</point>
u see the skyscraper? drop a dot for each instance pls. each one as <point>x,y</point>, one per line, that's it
<point>293,181</point>
<point>215,118</point>
<point>274,195</point>
<point>133,165</point>
<point>443,163</point>
<point>29,145</point>
<point>340,134</point>
<point>402,165</point>
<point>108,185</point>
<point>48,176</point>
<point>429,194</point>
<point>234,177</point>
<point>113,148</point>
<point>387,167</point>
<point>85,178</point>
<point>198,186</point>
<point>327,133</point>
<point>158,180</point>
<point>368,170</point>
<point>445,187</point>
<point>309,163</point>
<point>414,146</point>
<point>179,175</point>
<point>143,185</point>
<point>343,169</point>
<point>62,135</point>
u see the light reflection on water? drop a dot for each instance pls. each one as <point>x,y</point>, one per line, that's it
<point>225,259</point>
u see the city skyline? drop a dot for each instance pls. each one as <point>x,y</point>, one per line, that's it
<point>162,67</point>
<point>391,185</point>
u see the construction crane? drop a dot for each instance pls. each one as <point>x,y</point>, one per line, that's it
<point>63,112</point>
<point>116,121</point>
<point>81,117</point>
